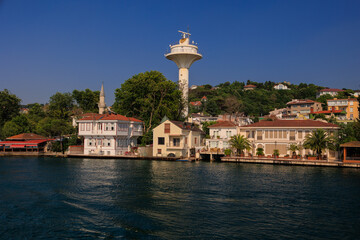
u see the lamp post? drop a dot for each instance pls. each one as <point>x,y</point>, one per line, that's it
<point>275,155</point>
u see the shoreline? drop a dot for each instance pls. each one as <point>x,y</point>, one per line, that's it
<point>277,161</point>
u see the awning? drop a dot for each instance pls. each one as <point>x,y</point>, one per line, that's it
<point>31,145</point>
<point>18,145</point>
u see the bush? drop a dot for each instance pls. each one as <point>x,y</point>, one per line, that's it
<point>227,152</point>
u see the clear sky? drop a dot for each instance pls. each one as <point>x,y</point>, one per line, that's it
<point>57,46</point>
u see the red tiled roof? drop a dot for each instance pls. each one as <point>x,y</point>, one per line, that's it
<point>292,123</point>
<point>331,90</point>
<point>250,86</point>
<point>26,136</point>
<point>223,124</point>
<point>204,98</point>
<point>109,117</point>
<point>301,101</point>
<point>197,103</point>
<point>30,142</point>
<point>351,144</point>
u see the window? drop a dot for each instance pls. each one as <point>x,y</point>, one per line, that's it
<point>88,127</point>
<point>123,127</point>
<point>300,134</point>
<point>167,128</point>
<point>159,151</point>
<point>112,127</point>
<point>195,140</point>
<point>90,142</point>
<point>351,110</point>
<point>351,103</point>
<point>82,126</point>
<point>176,142</point>
<point>292,135</point>
<point>185,140</point>
<point>161,141</point>
<point>99,126</point>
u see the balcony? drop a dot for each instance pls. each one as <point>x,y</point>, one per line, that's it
<point>176,146</point>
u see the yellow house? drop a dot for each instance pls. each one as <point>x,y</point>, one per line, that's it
<point>176,139</point>
<point>350,106</point>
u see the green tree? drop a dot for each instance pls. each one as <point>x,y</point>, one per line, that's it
<point>212,108</point>
<point>17,125</point>
<point>9,106</point>
<point>60,105</point>
<point>52,127</point>
<point>149,96</point>
<point>319,140</point>
<point>293,148</point>
<point>36,113</point>
<point>240,143</point>
<point>87,100</point>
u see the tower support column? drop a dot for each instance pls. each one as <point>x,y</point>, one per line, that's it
<point>184,88</point>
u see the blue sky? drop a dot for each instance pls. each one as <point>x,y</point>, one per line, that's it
<point>58,46</point>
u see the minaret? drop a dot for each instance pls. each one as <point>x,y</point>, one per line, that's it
<point>184,54</point>
<point>102,104</point>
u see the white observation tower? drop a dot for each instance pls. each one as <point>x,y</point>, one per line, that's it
<point>184,54</point>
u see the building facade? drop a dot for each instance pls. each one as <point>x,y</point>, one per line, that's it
<point>280,134</point>
<point>350,106</point>
<point>220,134</point>
<point>176,139</point>
<point>109,134</point>
<point>281,86</point>
<point>303,107</point>
<point>331,91</point>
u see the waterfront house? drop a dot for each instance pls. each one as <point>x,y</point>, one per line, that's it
<point>220,134</point>
<point>279,134</point>
<point>25,142</point>
<point>109,134</point>
<point>176,139</point>
<point>350,106</point>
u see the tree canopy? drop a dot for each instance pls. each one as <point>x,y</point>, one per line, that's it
<point>148,96</point>
<point>87,100</point>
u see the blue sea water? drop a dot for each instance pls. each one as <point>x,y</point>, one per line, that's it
<point>55,198</point>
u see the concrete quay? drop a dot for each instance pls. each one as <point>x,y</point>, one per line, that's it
<point>297,162</point>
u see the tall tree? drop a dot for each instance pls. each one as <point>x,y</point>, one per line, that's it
<point>9,106</point>
<point>148,96</point>
<point>87,100</point>
<point>17,125</point>
<point>52,127</point>
<point>61,105</point>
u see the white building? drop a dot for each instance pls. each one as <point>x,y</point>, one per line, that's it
<point>331,91</point>
<point>220,134</point>
<point>281,87</point>
<point>109,134</point>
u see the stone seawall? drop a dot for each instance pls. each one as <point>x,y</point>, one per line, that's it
<point>317,163</point>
